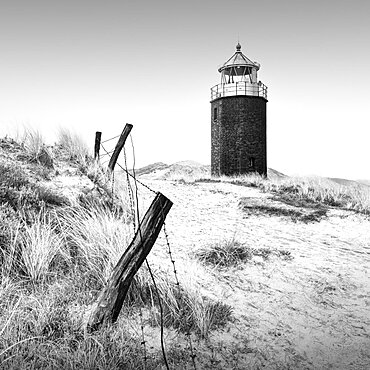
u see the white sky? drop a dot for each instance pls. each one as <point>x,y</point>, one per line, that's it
<point>95,65</point>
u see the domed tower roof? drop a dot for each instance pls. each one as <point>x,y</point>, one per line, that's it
<point>238,60</point>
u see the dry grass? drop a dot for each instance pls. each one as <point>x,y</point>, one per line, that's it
<point>39,245</point>
<point>294,189</point>
<point>55,261</point>
<point>325,191</point>
<point>35,148</point>
<point>55,258</point>
<point>97,237</point>
<point>73,147</point>
<point>184,307</point>
<point>62,261</point>
<point>297,211</point>
<point>231,253</point>
<point>224,253</point>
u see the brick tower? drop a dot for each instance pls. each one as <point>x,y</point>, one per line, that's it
<point>238,111</point>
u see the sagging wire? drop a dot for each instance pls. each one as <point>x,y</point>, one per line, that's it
<point>105,141</point>
<point>112,189</point>
<point>146,260</point>
<point>136,181</point>
<point>143,341</point>
<point>187,334</point>
<point>129,174</point>
<point>130,191</point>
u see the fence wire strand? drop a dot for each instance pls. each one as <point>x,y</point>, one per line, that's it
<point>188,334</point>
<point>130,192</point>
<point>146,260</point>
<point>131,175</point>
<point>112,138</point>
<point>134,198</point>
<point>132,206</point>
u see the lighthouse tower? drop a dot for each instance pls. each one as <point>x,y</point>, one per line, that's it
<point>238,119</point>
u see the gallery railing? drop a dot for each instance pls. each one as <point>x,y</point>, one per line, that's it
<point>239,88</point>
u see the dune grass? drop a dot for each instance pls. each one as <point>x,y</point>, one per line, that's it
<point>73,147</point>
<point>56,257</point>
<point>97,236</point>
<point>54,269</point>
<point>184,307</point>
<point>35,148</point>
<point>232,253</point>
<point>354,197</point>
<point>39,245</point>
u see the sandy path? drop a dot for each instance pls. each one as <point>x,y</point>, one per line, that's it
<point>310,312</point>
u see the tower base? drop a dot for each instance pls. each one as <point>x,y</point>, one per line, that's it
<point>238,132</point>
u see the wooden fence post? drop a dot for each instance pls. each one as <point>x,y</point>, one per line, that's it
<point>119,146</point>
<point>97,144</point>
<point>111,298</point>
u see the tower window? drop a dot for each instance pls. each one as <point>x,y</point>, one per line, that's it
<point>252,162</point>
<point>214,113</point>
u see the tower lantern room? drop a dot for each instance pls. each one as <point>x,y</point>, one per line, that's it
<point>239,68</point>
<point>238,118</point>
<point>239,77</point>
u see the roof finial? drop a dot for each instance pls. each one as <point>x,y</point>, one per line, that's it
<point>238,47</point>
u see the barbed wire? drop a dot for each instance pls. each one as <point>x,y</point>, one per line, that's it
<point>112,138</point>
<point>146,260</point>
<point>192,354</point>
<point>169,251</point>
<point>113,189</point>
<point>130,192</point>
<point>187,334</point>
<point>143,341</point>
<point>105,162</point>
<point>104,154</point>
<point>131,175</point>
<point>132,206</point>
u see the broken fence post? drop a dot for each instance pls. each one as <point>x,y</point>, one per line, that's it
<point>119,146</point>
<point>111,298</point>
<point>97,144</point>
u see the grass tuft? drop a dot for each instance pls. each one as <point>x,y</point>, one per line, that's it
<point>184,308</point>
<point>97,236</point>
<point>224,254</point>
<point>39,246</point>
<point>231,253</point>
<point>73,147</point>
<point>35,149</point>
<point>317,190</point>
<point>296,211</point>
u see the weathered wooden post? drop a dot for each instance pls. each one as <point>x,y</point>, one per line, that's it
<point>97,144</point>
<point>119,146</point>
<point>111,298</point>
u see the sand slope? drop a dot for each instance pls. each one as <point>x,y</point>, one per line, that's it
<point>311,311</point>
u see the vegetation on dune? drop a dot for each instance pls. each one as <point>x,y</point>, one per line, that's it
<point>73,147</point>
<point>232,252</point>
<point>184,308</point>
<point>57,252</point>
<point>299,191</point>
<point>56,256</point>
<point>296,212</point>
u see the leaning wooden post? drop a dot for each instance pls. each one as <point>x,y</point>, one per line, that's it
<point>111,298</point>
<point>119,146</point>
<point>97,144</point>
